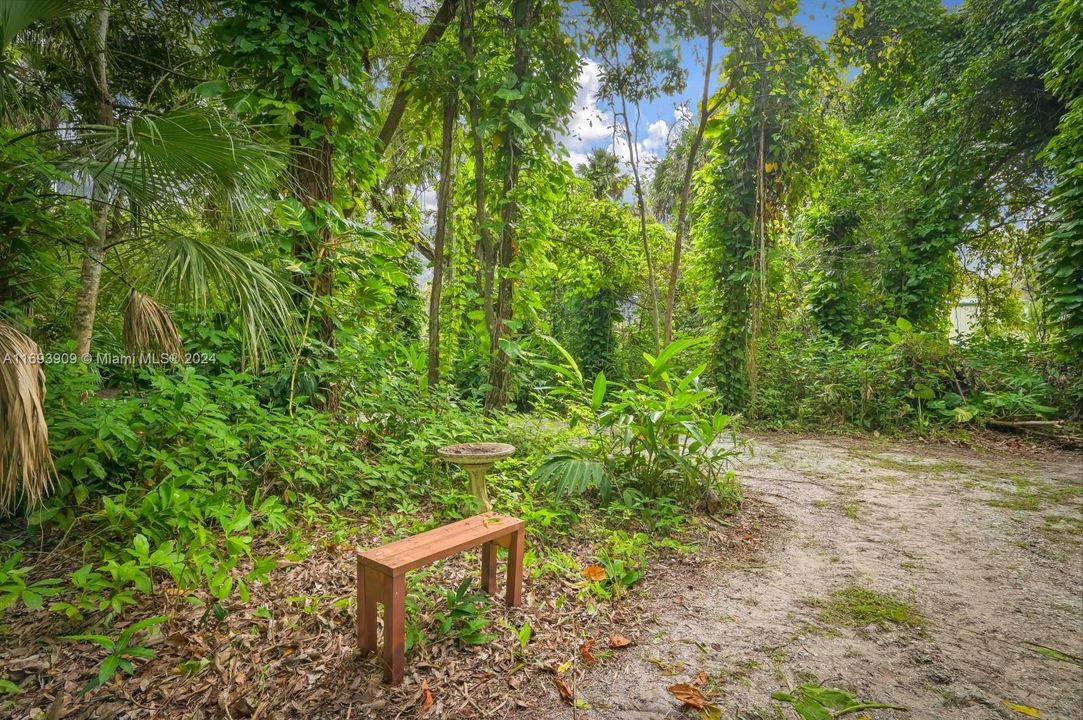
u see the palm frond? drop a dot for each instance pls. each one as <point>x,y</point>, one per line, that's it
<point>26,98</point>
<point>26,467</point>
<point>573,471</point>
<point>195,158</point>
<point>149,328</point>
<point>206,272</point>
<point>18,15</point>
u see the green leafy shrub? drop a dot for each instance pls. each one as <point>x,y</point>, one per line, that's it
<point>176,476</point>
<point>121,650</point>
<point>464,617</point>
<point>659,436</point>
<point>15,586</point>
<point>900,378</point>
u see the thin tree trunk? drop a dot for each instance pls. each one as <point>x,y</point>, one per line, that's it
<point>435,31</point>
<point>686,184</point>
<point>652,281</point>
<point>484,250</point>
<point>443,197</point>
<point>90,276</point>
<point>497,397</point>
<point>759,290</point>
<point>312,174</point>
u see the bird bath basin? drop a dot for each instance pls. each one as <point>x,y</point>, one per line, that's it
<point>476,459</point>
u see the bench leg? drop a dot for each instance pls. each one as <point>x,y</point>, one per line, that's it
<point>369,586</point>
<point>395,629</point>
<point>488,567</point>
<point>515,569</point>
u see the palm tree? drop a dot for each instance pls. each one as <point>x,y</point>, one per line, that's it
<point>602,171</point>
<point>169,191</point>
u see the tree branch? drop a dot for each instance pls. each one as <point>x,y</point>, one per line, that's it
<point>435,31</point>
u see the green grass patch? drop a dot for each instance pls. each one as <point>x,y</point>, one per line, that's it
<point>858,606</point>
<point>1031,502</point>
<point>1031,495</point>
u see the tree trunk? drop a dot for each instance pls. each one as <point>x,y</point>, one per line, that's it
<point>90,276</point>
<point>312,175</point>
<point>484,249</point>
<point>759,290</point>
<point>633,160</point>
<point>435,31</point>
<point>497,397</point>
<point>443,197</point>
<point>686,184</point>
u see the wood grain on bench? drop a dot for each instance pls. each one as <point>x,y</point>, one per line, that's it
<point>402,555</point>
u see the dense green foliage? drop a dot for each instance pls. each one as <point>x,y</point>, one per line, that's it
<point>900,378</point>
<point>1062,248</point>
<point>924,180</point>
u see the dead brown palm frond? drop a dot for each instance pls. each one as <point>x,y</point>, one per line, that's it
<point>26,467</point>
<point>149,329</point>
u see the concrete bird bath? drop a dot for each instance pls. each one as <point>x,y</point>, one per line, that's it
<point>476,459</point>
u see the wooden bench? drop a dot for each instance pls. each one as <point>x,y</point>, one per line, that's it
<point>381,576</point>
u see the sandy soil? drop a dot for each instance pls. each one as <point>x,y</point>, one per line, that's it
<point>986,546</point>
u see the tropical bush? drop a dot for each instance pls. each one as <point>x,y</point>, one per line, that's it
<point>176,476</point>
<point>899,378</point>
<point>659,436</point>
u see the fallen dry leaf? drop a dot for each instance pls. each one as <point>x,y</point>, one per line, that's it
<point>585,651</point>
<point>565,691</point>
<point>1021,709</point>
<point>700,679</point>
<point>619,641</point>
<point>688,695</point>
<point>594,573</point>
<point>426,697</point>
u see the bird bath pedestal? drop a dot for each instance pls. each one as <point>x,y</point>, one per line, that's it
<point>476,459</point>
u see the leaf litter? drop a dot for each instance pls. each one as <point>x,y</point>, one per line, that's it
<point>290,651</point>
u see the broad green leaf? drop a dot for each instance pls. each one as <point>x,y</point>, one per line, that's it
<point>599,392</point>
<point>108,668</point>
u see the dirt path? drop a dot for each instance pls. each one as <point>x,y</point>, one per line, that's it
<point>984,549</point>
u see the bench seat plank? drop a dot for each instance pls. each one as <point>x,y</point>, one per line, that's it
<point>410,553</point>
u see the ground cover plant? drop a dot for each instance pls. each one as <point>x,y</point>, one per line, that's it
<point>260,260</point>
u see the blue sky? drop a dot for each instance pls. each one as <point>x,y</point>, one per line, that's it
<point>815,16</point>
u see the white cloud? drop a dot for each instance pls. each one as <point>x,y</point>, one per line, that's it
<point>427,199</point>
<point>588,124</point>
<point>657,134</point>
<point>576,158</point>
<point>648,151</point>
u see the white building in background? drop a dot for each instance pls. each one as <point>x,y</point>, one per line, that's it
<point>964,316</point>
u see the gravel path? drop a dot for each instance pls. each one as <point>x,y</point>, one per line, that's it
<point>984,546</point>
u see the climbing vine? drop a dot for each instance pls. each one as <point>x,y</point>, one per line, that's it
<point>758,162</point>
<point>1061,253</point>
